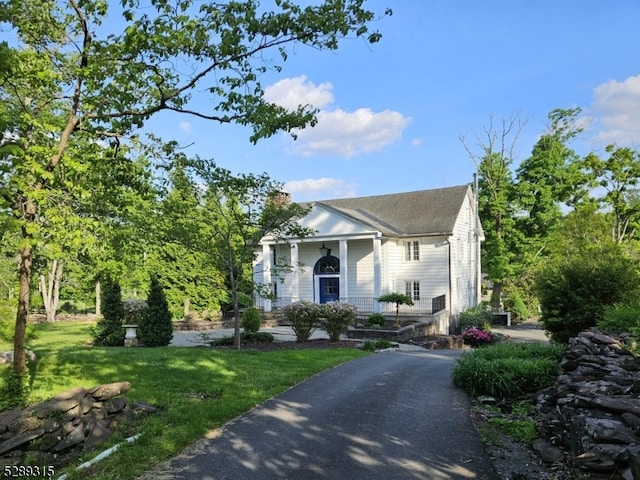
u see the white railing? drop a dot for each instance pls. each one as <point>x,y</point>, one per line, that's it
<point>366,305</point>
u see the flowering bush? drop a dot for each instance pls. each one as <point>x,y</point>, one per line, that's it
<point>337,316</point>
<point>476,337</point>
<point>303,317</point>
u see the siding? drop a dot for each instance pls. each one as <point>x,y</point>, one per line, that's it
<point>431,270</point>
<point>464,259</point>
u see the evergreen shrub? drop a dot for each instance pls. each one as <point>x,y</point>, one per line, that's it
<point>156,326</point>
<point>251,320</point>
<point>108,331</point>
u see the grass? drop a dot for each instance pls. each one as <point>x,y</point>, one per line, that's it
<point>197,389</point>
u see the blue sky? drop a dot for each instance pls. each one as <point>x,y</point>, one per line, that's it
<point>392,114</point>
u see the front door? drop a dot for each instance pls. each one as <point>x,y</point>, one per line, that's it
<point>329,289</point>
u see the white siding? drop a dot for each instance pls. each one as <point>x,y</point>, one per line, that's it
<point>464,259</point>
<point>431,270</point>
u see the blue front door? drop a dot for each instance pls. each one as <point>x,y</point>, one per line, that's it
<point>329,289</point>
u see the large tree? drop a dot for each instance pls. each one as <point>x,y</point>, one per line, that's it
<point>66,78</point>
<point>236,211</point>
<point>494,157</point>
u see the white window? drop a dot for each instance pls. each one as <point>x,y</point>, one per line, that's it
<point>412,251</point>
<point>412,289</point>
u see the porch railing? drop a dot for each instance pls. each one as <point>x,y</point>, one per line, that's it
<point>426,306</point>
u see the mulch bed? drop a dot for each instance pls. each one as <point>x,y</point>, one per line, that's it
<point>319,343</point>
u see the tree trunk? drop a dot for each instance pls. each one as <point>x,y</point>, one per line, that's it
<point>496,297</point>
<point>19,357</point>
<point>51,290</point>
<point>186,306</point>
<point>98,298</point>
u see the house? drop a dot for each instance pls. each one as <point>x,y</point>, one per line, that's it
<point>424,243</point>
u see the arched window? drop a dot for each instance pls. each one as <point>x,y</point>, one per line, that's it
<point>328,264</point>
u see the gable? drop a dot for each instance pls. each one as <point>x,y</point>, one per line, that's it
<point>424,212</point>
<point>329,223</point>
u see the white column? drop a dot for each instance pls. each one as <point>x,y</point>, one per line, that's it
<point>295,280</point>
<point>377,272</point>
<point>266,273</point>
<point>344,286</point>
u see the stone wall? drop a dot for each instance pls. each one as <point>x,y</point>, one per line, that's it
<point>59,430</point>
<point>593,410</point>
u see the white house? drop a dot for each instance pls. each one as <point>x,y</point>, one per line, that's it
<point>425,244</point>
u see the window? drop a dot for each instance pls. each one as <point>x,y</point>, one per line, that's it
<point>412,251</point>
<point>412,289</point>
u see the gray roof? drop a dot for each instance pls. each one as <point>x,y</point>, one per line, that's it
<point>424,212</point>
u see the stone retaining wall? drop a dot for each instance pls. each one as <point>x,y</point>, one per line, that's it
<point>593,410</point>
<point>66,426</point>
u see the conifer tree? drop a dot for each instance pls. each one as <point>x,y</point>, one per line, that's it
<point>108,331</point>
<point>156,329</point>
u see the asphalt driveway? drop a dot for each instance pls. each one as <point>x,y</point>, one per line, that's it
<point>392,415</point>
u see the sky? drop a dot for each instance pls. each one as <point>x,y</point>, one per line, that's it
<point>392,114</point>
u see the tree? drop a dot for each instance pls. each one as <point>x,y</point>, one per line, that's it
<point>618,175</point>
<point>156,329</point>
<point>108,331</point>
<point>549,178</point>
<point>66,81</point>
<point>397,299</point>
<point>496,200</point>
<point>237,211</point>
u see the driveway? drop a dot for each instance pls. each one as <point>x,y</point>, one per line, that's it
<point>392,415</point>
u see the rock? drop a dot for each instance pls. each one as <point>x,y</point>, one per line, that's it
<point>65,426</point>
<point>110,390</point>
<point>593,411</point>
<point>547,452</point>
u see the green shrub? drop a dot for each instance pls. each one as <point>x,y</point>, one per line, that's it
<point>108,331</point>
<point>620,318</point>
<point>507,372</point>
<point>156,327</point>
<point>478,317</point>
<point>336,318</point>
<point>376,320</point>
<point>15,390</point>
<point>574,294</point>
<point>251,320</point>
<point>514,304</point>
<point>245,337</point>
<point>303,317</point>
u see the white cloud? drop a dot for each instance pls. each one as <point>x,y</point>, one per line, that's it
<point>292,92</point>
<point>416,142</point>
<point>337,132</point>
<point>185,126</point>
<point>319,188</point>
<point>616,111</point>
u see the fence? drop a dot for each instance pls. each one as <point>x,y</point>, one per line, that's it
<point>366,305</point>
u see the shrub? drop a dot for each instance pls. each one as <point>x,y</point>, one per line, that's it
<point>337,317</point>
<point>370,346</point>
<point>303,317</point>
<point>514,304</point>
<point>477,316</point>
<point>620,318</point>
<point>251,320</point>
<point>376,320</point>
<point>574,294</point>
<point>477,337</point>
<point>245,337</point>
<point>15,391</point>
<point>108,331</point>
<point>507,371</point>
<point>156,327</point>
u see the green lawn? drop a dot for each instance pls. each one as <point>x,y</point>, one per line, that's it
<point>197,389</point>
